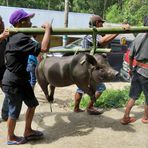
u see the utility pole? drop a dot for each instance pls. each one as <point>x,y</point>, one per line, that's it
<point>65,37</point>
<point>7,3</point>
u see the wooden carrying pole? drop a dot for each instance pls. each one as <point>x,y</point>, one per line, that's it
<point>66,50</point>
<point>81,31</point>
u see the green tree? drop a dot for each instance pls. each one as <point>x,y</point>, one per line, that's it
<point>113,14</point>
<point>132,11</point>
<point>96,6</point>
<point>115,11</point>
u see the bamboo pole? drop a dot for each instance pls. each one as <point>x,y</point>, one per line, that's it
<point>81,31</point>
<point>78,50</point>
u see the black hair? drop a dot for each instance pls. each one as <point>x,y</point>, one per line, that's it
<point>92,23</point>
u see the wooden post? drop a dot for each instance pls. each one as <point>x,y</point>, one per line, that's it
<point>65,37</point>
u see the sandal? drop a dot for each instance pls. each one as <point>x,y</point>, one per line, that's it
<point>144,120</point>
<point>34,136</point>
<point>127,120</point>
<point>18,141</point>
<point>93,111</point>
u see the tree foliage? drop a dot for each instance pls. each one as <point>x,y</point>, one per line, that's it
<point>132,12</point>
<point>115,11</point>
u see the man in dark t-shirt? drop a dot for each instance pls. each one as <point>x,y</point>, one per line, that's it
<point>101,41</point>
<point>15,82</point>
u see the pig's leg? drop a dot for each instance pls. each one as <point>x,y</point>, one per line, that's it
<point>52,89</point>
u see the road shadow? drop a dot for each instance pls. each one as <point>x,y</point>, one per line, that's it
<point>69,124</point>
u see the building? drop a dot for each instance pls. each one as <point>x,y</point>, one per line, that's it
<point>75,20</point>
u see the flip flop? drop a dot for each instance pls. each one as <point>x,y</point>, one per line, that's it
<point>18,141</point>
<point>34,136</point>
<point>93,111</point>
<point>127,120</point>
<point>144,120</point>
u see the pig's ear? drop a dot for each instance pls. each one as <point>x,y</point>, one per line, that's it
<point>90,59</point>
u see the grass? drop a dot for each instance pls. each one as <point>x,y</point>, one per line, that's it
<point>111,99</point>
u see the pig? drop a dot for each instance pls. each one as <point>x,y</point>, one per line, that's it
<point>84,70</point>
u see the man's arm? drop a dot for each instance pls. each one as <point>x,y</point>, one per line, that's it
<point>107,38</point>
<point>4,35</point>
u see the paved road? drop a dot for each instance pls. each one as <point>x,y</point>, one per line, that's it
<point>64,129</point>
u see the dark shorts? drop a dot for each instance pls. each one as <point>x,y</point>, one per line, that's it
<point>139,84</point>
<point>16,96</point>
<point>100,88</point>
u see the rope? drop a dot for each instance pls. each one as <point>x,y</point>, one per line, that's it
<point>94,36</point>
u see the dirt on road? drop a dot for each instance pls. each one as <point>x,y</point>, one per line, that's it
<point>64,129</point>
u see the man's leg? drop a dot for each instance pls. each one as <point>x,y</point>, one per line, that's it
<point>97,95</point>
<point>126,118</point>
<point>29,133</point>
<point>11,126</point>
<point>134,93</point>
<point>145,117</point>
<point>144,82</point>
<point>91,109</point>
<point>28,121</point>
<point>5,110</point>
<point>129,106</point>
<point>11,122</point>
<point>99,90</point>
<point>78,97</point>
<point>14,108</point>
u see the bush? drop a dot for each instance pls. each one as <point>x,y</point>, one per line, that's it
<point>111,99</point>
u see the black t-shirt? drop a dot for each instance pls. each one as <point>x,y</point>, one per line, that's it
<point>19,47</point>
<point>2,61</point>
<point>2,51</point>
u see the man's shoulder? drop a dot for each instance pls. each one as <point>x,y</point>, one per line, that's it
<point>20,35</point>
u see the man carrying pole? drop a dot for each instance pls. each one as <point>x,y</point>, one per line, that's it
<point>100,41</point>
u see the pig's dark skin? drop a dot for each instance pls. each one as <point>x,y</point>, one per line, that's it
<point>84,70</point>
